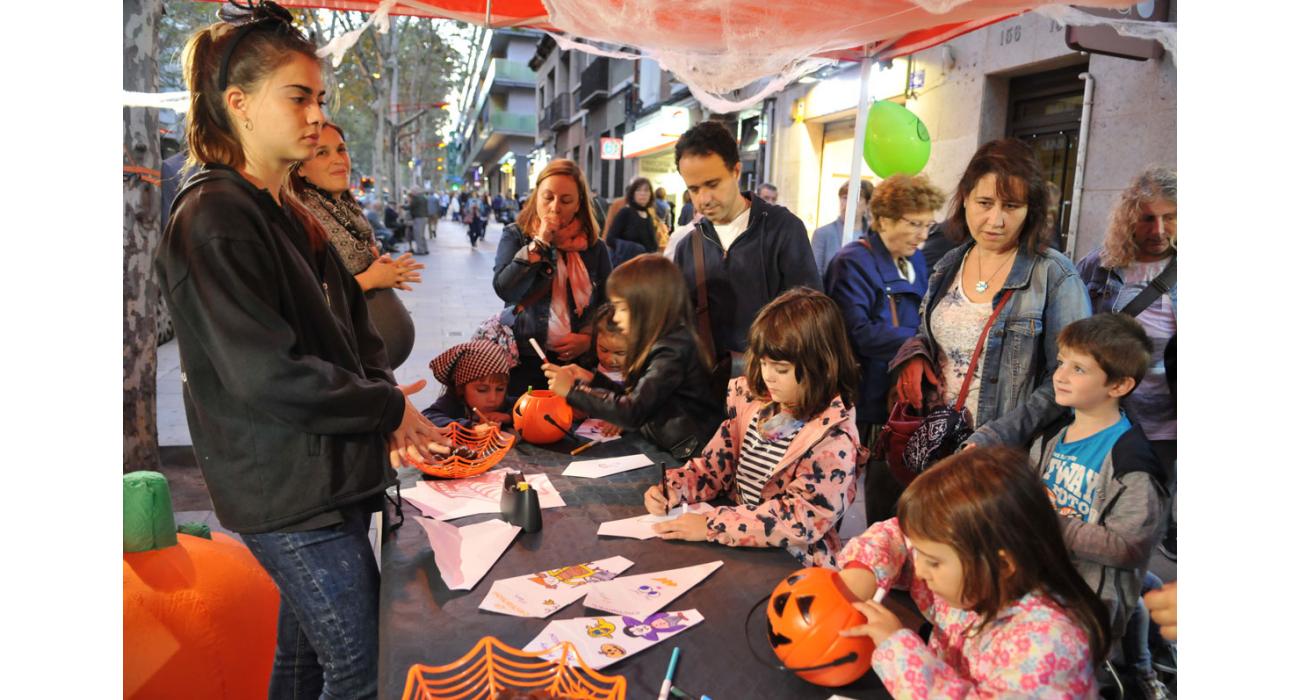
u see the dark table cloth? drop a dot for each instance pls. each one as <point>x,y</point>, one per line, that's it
<point>421,621</point>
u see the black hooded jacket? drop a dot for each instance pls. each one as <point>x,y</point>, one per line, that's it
<point>286,383</point>
<point>771,256</point>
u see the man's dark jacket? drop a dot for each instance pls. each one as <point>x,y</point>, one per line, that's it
<point>771,256</point>
<point>287,388</point>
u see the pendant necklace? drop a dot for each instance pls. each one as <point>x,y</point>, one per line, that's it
<point>983,284</point>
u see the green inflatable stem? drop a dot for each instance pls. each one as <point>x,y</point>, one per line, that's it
<point>147,519</point>
<point>195,529</point>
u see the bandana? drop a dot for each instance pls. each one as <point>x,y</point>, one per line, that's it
<point>461,364</point>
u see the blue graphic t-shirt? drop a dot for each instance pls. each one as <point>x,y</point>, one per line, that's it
<point>1071,474</point>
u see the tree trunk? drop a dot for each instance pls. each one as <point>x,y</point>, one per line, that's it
<point>140,235</point>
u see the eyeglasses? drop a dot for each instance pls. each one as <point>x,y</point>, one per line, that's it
<point>916,225</point>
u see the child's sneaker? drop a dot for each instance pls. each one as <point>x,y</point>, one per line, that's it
<point>1153,689</point>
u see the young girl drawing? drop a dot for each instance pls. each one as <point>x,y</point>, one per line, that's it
<point>475,376</point>
<point>977,544</point>
<point>786,455</point>
<point>665,394</point>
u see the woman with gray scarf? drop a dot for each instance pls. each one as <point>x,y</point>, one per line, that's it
<point>321,182</point>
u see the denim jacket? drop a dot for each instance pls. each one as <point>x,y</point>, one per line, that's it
<point>1104,284</point>
<point>1021,347</point>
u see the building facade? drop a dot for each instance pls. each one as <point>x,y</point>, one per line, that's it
<point>1014,78</point>
<point>498,123</point>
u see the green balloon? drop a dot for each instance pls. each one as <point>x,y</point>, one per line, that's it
<point>896,140</point>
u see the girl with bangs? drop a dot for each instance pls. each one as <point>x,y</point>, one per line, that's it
<point>786,455</point>
<point>977,545</point>
<point>665,394</point>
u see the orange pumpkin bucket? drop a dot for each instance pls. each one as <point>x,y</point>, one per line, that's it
<point>805,614</point>
<point>532,411</point>
<point>493,666</point>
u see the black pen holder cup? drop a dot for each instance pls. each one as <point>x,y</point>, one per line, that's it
<point>510,495</point>
<point>528,511</point>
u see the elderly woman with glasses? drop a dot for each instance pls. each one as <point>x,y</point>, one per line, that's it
<point>878,281</point>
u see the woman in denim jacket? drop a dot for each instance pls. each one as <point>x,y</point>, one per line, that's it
<point>1000,213</point>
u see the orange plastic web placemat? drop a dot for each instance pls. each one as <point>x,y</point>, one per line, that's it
<point>487,449</point>
<point>493,666</point>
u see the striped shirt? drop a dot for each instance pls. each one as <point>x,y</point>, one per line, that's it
<point>758,459</point>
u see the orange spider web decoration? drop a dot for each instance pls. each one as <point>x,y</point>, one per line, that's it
<point>493,666</point>
<point>472,452</point>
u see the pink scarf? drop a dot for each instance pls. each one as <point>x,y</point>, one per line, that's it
<point>570,275</point>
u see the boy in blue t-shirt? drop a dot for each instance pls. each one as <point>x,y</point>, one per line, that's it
<point>1100,471</point>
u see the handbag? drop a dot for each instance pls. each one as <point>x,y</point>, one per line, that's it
<point>942,430</point>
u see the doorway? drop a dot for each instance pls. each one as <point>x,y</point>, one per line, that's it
<point>1046,111</point>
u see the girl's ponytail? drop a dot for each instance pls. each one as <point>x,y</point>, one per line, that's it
<point>207,127</point>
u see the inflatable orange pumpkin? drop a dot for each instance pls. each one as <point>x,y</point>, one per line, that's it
<point>198,615</point>
<point>804,618</point>
<point>531,413</point>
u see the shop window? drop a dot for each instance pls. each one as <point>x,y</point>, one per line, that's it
<point>1046,111</point>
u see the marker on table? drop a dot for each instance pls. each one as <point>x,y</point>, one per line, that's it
<point>663,483</point>
<point>538,349</point>
<point>668,678</point>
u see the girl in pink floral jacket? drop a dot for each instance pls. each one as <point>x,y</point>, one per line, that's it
<point>786,454</point>
<point>977,545</point>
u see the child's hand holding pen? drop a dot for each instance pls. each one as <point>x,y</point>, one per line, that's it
<point>656,503</point>
<point>561,377</point>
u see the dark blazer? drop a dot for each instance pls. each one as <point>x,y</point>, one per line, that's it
<point>862,282</point>
<point>287,388</point>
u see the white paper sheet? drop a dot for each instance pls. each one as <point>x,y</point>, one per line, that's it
<point>459,498</point>
<point>542,593</point>
<point>596,468</point>
<point>590,431</point>
<point>602,641</point>
<point>639,527</point>
<point>464,554</point>
<point>638,596</point>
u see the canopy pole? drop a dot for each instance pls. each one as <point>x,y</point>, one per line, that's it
<point>859,137</point>
<point>487,11</point>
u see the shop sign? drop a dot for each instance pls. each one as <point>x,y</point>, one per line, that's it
<point>657,132</point>
<point>611,148</point>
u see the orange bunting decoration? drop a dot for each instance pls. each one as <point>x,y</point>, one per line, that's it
<point>492,667</point>
<point>804,617</point>
<point>531,413</point>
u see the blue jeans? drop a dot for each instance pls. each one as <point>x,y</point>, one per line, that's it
<point>327,637</point>
<point>1137,635</point>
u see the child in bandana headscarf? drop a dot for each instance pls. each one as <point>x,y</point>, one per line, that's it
<point>475,375</point>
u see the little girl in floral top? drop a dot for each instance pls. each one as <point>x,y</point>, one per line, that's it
<point>977,544</point>
<point>787,453</point>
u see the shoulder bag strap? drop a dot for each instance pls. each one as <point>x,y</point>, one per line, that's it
<point>701,295</point>
<point>979,348</point>
<point>1159,286</point>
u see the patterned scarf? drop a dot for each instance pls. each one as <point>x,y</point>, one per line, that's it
<point>570,276</point>
<point>346,224</point>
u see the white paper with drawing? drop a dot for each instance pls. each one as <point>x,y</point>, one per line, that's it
<point>605,466</point>
<point>459,498</point>
<point>602,641</point>
<point>542,593</point>
<point>640,527</point>
<point>590,430</point>
<point>464,554</point>
<point>640,595</point>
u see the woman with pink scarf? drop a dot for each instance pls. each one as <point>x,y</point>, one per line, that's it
<point>550,271</point>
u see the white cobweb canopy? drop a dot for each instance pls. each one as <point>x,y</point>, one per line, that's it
<point>734,53</point>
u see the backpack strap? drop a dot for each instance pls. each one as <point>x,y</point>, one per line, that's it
<point>1158,287</point>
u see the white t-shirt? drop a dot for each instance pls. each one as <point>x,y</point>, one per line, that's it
<point>728,233</point>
